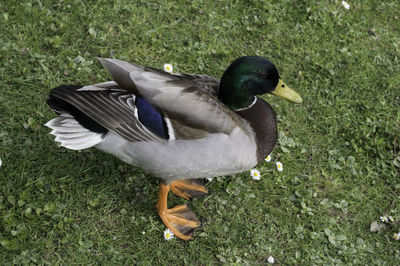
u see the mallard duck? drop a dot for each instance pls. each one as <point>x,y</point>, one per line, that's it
<point>180,128</point>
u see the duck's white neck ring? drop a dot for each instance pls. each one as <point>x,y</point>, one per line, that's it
<point>245,108</point>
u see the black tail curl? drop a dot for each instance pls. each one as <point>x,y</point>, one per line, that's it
<point>60,106</point>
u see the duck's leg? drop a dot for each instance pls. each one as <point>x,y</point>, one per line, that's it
<point>189,188</point>
<point>180,219</point>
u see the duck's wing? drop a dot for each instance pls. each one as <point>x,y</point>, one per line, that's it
<point>203,82</point>
<point>181,97</point>
<point>120,72</point>
<point>107,106</point>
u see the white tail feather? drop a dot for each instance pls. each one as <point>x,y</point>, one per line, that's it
<point>100,86</point>
<point>71,134</point>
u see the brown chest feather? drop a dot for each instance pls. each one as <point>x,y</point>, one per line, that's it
<point>262,119</point>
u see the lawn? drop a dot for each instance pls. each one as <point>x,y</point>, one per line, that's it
<point>340,148</point>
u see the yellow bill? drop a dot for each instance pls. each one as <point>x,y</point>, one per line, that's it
<point>287,93</point>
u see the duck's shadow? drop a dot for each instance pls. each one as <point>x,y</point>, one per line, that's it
<point>108,177</point>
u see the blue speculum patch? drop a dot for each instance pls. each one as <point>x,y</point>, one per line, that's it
<point>151,118</point>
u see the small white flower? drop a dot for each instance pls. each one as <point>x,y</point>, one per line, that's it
<point>168,234</point>
<point>209,179</point>
<point>279,166</point>
<point>168,68</point>
<point>346,5</point>
<point>396,236</point>
<point>383,219</point>
<point>255,174</point>
<point>268,158</point>
<point>271,259</point>
<point>1,162</point>
<point>391,219</point>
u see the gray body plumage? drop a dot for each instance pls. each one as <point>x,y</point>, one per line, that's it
<point>216,155</point>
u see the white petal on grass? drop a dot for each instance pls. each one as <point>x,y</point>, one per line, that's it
<point>209,179</point>
<point>271,259</point>
<point>255,174</point>
<point>168,68</point>
<point>168,234</point>
<point>279,166</point>
<point>346,5</point>
<point>1,162</point>
<point>268,158</point>
<point>383,219</point>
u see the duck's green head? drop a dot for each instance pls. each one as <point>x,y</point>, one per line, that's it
<point>249,76</point>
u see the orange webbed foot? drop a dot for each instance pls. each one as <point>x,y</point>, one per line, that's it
<point>189,188</point>
<point>181,220</point>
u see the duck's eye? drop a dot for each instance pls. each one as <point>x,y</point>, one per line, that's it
<point>283,85</point>
<point>263,75</point>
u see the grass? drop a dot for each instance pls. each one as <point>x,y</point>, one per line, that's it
<point>339,149</point>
